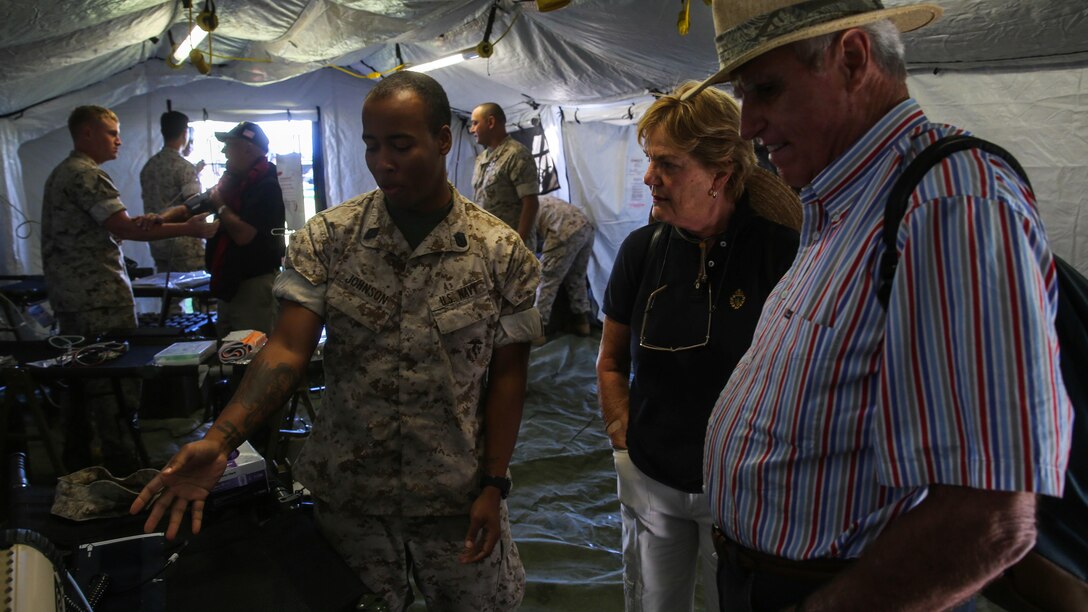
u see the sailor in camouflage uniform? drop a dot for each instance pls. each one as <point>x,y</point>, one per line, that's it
<point>168,179</point>
<point>505,175</point>
<point>86,281</point>
<point>428,306</point>
<point>566,237</point>
<point>90,292</point>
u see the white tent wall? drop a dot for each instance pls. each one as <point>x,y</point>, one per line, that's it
<point>16,225</point>
<point>338,96</point>
<point>592,52</point>
<point>605,166</point>
<point>1041,117</point>
<point>51,115</point>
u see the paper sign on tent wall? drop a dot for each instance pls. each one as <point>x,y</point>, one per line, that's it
<point>289,173</point>
<point>636,194</point>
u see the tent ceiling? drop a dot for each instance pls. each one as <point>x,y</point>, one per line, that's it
<point>591,51</point>
<point>1003,33</point>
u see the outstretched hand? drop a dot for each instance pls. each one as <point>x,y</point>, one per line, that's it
<point>187,478</point>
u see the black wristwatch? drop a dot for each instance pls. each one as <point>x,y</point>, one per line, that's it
<point>500,483</point>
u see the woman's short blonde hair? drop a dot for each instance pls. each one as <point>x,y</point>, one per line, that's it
<point>707,126</point>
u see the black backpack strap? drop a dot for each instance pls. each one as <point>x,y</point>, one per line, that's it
<point>655,240</point>
<point>907,182</point>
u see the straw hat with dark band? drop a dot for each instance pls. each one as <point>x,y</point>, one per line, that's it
<point>772,199</point>
<point>747,29</point>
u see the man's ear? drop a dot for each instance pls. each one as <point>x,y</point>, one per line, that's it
<point>854,56</point>
<point>445,139</point>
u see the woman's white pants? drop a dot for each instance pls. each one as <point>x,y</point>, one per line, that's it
<point>664,532</point>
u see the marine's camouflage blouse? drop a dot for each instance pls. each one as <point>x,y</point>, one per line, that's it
<point>501,177</point>
<point>166,180</point>
<point>83,265</point>
<point>409,339</point>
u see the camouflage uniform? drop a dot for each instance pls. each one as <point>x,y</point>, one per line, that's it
<point>503,175</point>
<point>84,269</point>
<point>88,289</point>
<point>167,180</point>
<point>379,548</point>
<point>399,441</point>
<point>567,241</point>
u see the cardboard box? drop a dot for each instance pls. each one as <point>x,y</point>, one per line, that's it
<point>185,353</point>
<point>246,475</point>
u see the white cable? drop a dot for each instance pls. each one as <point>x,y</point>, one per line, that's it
<point>79,591</point>
<point>65,342</point>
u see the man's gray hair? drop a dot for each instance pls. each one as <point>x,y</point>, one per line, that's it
<point>887,48</point>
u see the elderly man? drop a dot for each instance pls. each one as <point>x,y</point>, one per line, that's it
<point>862,458</point>
<point>245,256</point>
<point>428,305</point>
<point>83,220</point>
<point>505,176</point>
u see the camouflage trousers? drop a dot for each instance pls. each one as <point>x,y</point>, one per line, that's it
<point>94,433</point>
<point>383,549</point>
<point>564,264</point>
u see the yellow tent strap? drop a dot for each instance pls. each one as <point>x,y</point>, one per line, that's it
<point>369,75</point>
<point>683,20</point>
<point>240,59</point>
<point>508,28</point>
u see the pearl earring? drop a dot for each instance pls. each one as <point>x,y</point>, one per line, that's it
<point>712,193</point>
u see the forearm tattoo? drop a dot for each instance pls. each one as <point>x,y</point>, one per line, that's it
<point>264,390</point>
<point>231,436</point>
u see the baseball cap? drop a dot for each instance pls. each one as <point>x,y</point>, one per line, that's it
<point>246,130</point>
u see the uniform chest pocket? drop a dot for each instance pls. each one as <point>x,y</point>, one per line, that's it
<point>455,317</point>
<point>371,312</point>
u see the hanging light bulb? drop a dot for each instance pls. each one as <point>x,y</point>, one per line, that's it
<point>449,60</point>
<point>196,35</point>
<point>206,22</point>
<point>484,49</point>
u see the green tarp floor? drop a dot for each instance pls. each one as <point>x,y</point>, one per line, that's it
<point>563,508</point>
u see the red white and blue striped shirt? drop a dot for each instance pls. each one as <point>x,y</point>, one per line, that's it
<point>841,413</point>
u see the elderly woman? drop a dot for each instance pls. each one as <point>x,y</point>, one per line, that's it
<point>681,306</point>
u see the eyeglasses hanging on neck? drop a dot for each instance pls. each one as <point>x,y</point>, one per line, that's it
<point>673,318</point>
<point>656,310</point>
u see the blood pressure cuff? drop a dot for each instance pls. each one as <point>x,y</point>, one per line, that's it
<point>200,203</point>
<point>94,493</point>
